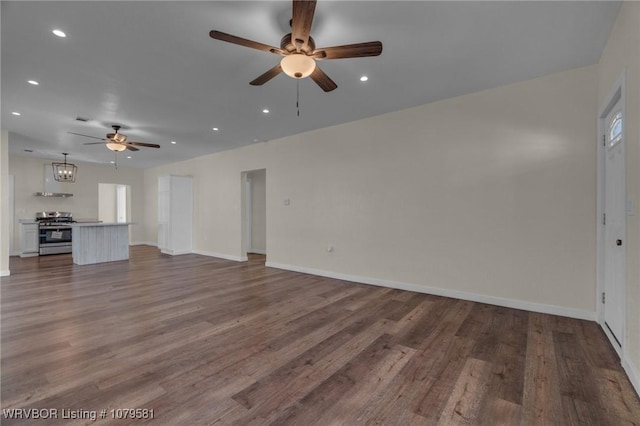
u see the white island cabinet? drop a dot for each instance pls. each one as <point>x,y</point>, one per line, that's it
<point>29,238</point>
<point>100,242</point>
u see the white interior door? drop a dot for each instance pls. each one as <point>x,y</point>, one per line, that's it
<point>615,225</point>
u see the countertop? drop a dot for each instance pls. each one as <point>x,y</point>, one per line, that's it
<point>30,221</point>
<point>75,225</point>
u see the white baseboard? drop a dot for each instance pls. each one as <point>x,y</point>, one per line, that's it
<point>143,243</point>
<point>492,300</point>
<point>201,252</point>
<point>632,374</point>
<point>221,255</point>
<point>176,252</point>
<point>29,254</point>
<point>613,341</point>
<point>5,273</point>
<point>257,251</point>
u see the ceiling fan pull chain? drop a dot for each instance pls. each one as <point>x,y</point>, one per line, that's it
<point>298,96</point>
<point>115,159</point>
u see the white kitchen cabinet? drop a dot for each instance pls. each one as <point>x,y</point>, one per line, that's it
<point>175,214</point>
<point>29,239</point>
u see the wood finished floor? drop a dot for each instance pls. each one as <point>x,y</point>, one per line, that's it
<point>206,341</point>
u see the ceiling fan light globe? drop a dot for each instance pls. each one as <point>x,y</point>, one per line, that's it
<point>297,65</point>
<point>116,147</point>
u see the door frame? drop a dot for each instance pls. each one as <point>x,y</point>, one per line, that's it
<point>616,94</point>
<point>249,213</point>
<point>12,216</point>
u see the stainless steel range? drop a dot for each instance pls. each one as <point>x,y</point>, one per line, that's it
<point>55,232</point>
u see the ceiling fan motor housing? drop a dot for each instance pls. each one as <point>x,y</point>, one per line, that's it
<point>286,44</point>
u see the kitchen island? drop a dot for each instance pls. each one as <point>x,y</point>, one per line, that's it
<point>100,242</point>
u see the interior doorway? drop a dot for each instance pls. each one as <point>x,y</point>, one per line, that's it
<point>114,203</point>
<point>254,215</point>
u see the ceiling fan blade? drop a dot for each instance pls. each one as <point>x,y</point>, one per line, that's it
<point>218,35</point>
<point>86,136</point>
<point>358,50</point>
<point>93,143</point>
<point>132,148</point>
<point>323,80</point>
<point>267,76</point>
<point>301,20</point>
<point>148,145</point>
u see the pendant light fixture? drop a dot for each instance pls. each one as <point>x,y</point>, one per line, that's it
<point>64,172</point>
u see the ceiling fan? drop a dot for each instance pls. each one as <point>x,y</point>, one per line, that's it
<point>299,49</point>
<point>117,141</point>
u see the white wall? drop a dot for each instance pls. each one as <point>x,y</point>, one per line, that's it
<point>622,55</point>
<point>489,194</point>
<point>217,203</point>
<point>107,202</point>
<point>4,203</point>
<point>29,176</point>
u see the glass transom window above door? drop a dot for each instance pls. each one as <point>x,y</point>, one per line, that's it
<point>614,133</point>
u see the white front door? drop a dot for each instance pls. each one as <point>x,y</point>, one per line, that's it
<point>615,225</point>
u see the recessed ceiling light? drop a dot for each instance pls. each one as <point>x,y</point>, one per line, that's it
<point>256,140</point>
<point>35,83</point>
<point>173,142</point>
<point>16,113</point>
<point>128,156</point>
<point>364,78</point>
<point>112,162</point>
<point>59,33</point>
<point>266,111</point>
<point>215,129</point>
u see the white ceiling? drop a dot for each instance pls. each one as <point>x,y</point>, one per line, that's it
<point>152,67</point>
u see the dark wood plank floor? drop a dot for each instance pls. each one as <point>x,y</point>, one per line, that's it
<point>206,341</point>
